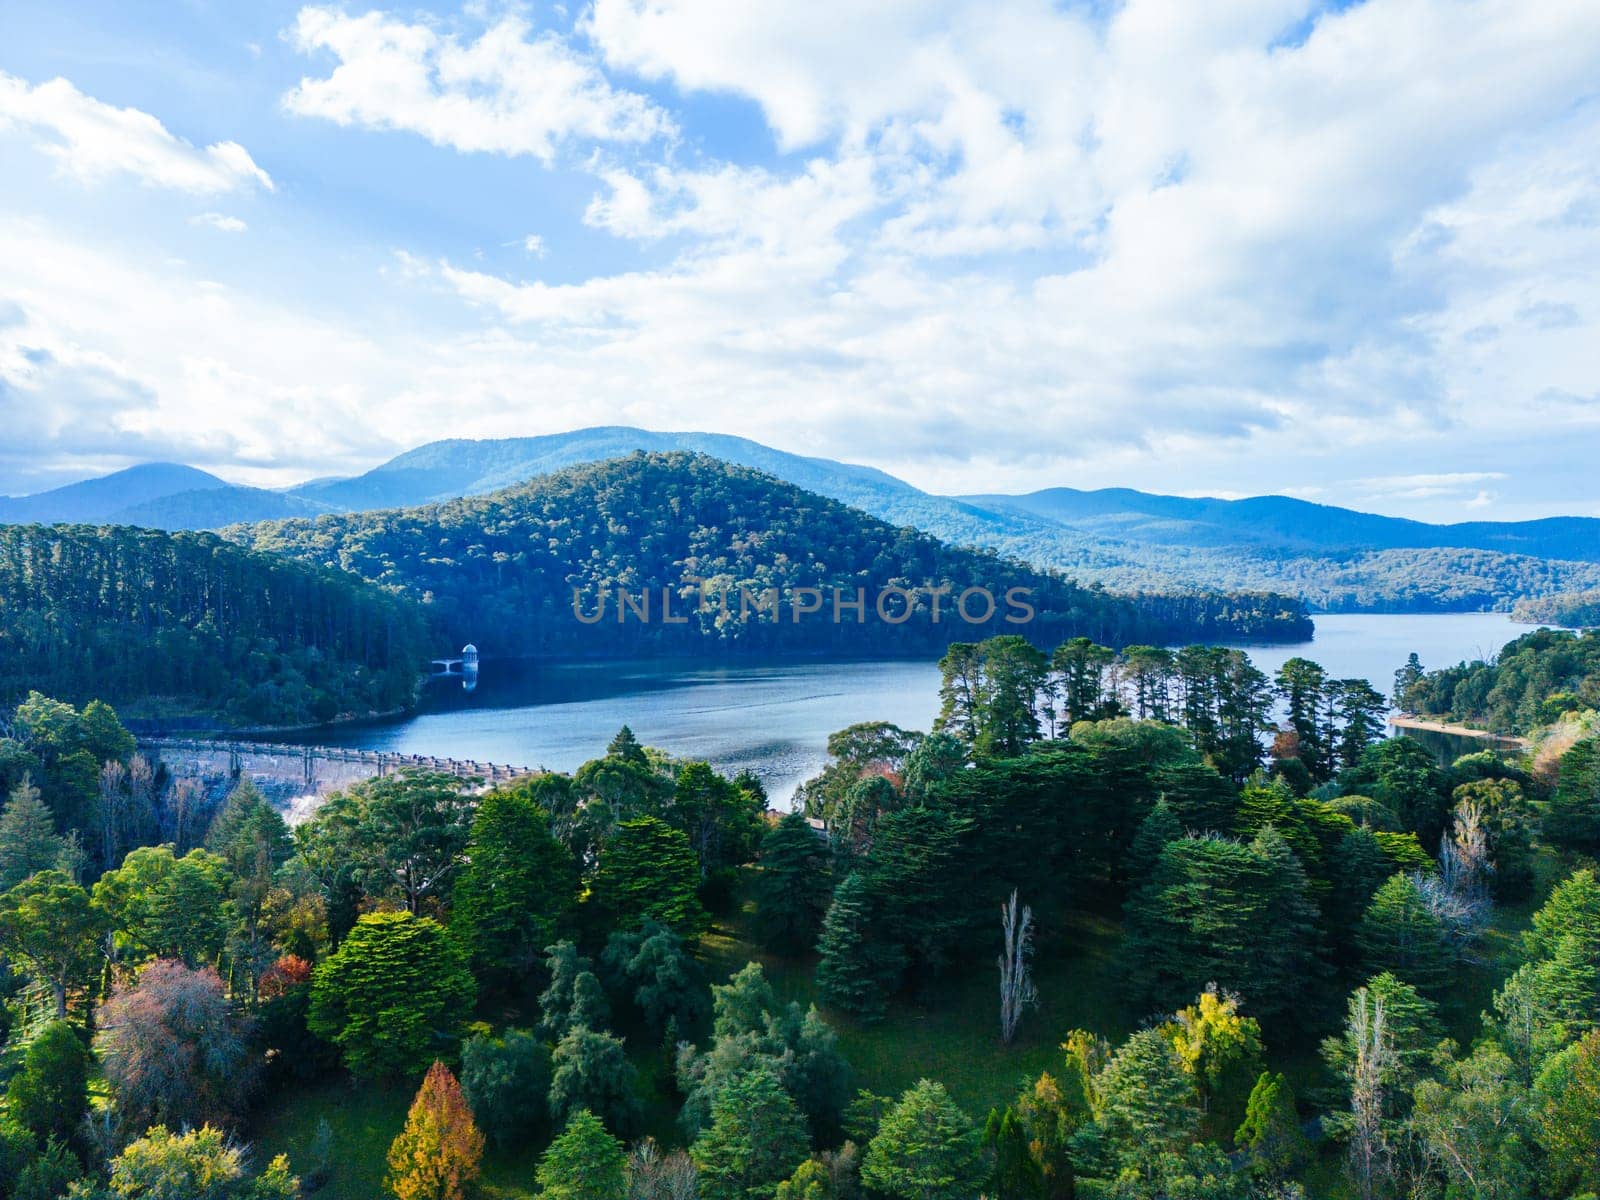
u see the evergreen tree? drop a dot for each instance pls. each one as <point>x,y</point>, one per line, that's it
<point>574,996</point>
<point>506,1081</point>
<point>1015,1174</point>
<point>1270,1134</point>
<point>1567,1096</point>
<point>648,871</point>
<point>1573,910</point>
<point>519,882</point>
<point>1158,829</point>
<point>855,972</point>
<point>50,1094</point>
<point>1548,1003</point>
<point>756,1139</point>
<point>394,993</point>
<point>1412,1033</point>
<point>1357,868</point>
<point>1147,1102</point>
<point>1572,819</point>
<point>28,839</point>
<point>439,1153</point>
<point>1216,911</point>
<point>652,966</point>
<point>1400,933</point>
<point>591,1071</point>
<point>583,1163</point>
<point>925,1149</point>
<point>52,934</point>
<point>792,890</point>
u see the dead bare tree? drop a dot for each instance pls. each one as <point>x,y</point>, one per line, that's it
<point>1016,980</point>
<point>654,1174</point>
<point>1369,1144</point>
<point>113,816</point>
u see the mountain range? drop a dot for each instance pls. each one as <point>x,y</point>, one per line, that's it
<point>1336,559</point>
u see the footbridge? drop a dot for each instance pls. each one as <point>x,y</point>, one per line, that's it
<point>307,773</point>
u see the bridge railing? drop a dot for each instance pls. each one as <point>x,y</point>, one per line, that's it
<point>383,760</point>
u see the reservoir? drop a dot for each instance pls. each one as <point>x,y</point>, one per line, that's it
<point>774,719</point>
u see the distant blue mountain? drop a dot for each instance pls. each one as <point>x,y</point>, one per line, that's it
<point>1335,558</point>
<point>94,501</point>
<point>1284,523</point>
<point>156,496</point>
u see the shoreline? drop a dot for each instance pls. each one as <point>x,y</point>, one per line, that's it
<point>1422,724</point>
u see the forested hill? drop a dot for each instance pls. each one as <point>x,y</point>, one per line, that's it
<point>193,622</point>
<point>1533,682</point>
<point>501,570</point>
<point>1335,559</point>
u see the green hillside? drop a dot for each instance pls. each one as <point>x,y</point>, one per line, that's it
<point>501,570</point>
<point>188,620</point>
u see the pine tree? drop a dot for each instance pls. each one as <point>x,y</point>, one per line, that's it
<point>854,972</point>
<point>1159,828</point>
<point>1016,1174</point>
<point>1270,1134</point>
<point>649,871</point>
<point>1573,910</point>
<point>518,883</point>
<point>1148,1106</point>
<point>50,1094</point>
<point>28,839</point>
<point>1357,868</point>
<point>1400,933</point>
<point>438,1155</point>
<point>394,989</point>
<point>1572,819</point>
<point>583,1163</point>
<point>756,1139</point>
<point>792,888</point>
<point>925,1149</point>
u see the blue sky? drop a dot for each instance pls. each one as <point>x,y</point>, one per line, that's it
<point>1350,252</point>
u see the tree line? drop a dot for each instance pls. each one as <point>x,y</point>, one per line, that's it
<point>192,621</point>
<point>1002,694</point>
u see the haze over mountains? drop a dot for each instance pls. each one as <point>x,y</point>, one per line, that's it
<point>1335,558</point>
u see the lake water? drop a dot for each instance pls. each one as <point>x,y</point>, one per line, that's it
<point>774,719</point>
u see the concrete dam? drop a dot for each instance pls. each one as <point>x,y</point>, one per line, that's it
<point>298,778</point>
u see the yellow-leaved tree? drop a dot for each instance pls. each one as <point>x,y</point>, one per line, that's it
<point>440,1151</point>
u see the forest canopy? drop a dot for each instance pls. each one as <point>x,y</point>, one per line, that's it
<point>194,622</point>
<point>1533,682</point>
<point>501,570</point>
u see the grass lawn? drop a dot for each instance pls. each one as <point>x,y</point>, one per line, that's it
<point>952,1033</point>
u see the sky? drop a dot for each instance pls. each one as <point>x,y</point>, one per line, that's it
<point>1349,252</point>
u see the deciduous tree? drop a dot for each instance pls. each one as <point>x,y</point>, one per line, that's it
<point>439,1153</point>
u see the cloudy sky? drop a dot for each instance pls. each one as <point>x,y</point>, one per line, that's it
<point>1346,251</point>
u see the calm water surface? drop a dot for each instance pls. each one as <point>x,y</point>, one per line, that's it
<point>775,719</point>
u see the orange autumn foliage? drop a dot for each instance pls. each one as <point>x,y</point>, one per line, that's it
<point>440,1151</point>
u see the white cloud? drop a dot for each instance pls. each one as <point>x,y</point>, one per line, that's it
<point>92,140</point>
<point>1204,248</point>
<point>510,91</point>
<point>221,222</point>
